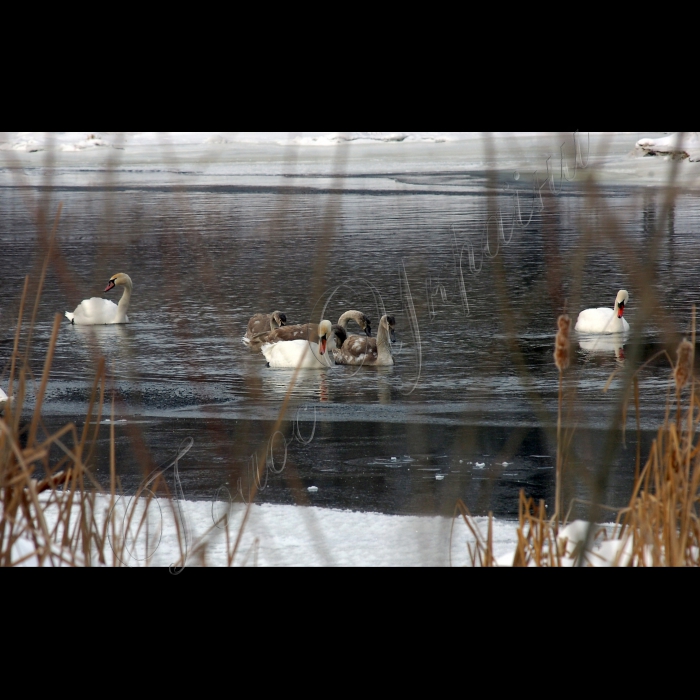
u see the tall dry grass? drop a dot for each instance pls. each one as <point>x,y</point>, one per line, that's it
<point>660,526</point>
<point>53,512</point>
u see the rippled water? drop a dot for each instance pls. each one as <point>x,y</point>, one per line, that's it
<point>475,296</point>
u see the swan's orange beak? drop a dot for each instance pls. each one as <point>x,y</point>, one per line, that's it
<point>620,309</point>
<point>322,345</point>
<point>109,286</point>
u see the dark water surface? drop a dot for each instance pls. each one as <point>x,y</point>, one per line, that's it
<point>470,408</point>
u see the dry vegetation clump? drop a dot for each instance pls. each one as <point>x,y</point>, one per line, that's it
<point>659,527</point>
<point>49,512</point>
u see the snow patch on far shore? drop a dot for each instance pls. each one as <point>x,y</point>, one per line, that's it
<point>685,144</point>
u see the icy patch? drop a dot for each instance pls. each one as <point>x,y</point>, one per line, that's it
<point>312,489</point>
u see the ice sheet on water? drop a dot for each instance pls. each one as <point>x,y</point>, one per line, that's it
<point>391,462</point>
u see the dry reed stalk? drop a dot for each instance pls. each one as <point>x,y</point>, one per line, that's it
<point>75,538</point>
<point>661,524</point>
<point>561,360</point>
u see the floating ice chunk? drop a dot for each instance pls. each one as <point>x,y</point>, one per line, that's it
<point>506,559</point>
<point>505,464</point>
<point>312,489</point>
<point>480,465</point>
<point>612,552</point>
<point>439,477</point>
<point>393,459</point>
<point>575,532</point>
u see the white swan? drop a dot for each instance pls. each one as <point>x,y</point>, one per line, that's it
<point>3,400</point>
<point>303,353</point>
<point>260,325</point>
<point>370,352</point>
<point>96,311</point>
<point>603,319</point>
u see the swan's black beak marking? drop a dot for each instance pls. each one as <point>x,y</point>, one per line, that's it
<point>109,286</point>
<point>368,330</point>
<point>620,309</point>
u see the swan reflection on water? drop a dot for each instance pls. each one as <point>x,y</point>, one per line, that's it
<point>309,384</point>
<point>605,344</point>
<point>339,384</point>
<point>103,336</point>
<point>114,342</point>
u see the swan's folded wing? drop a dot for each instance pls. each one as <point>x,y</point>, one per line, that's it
<point>600,320</point>
<point>306,331</point>
<point>95,311</point>
<point>295,353</point>
<point>258,323</point>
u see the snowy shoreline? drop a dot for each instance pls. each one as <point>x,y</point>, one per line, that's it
<point>294,535</point>
<point>221,158</point>
<point>70,141</point>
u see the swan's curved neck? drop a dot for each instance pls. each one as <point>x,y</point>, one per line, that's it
<point>350,316</point>
<point>123,304</point>
<point>383,344</point>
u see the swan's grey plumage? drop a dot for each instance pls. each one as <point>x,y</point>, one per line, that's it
<point>309,331</point>
<point>260,326</point>
<point>370,352</point>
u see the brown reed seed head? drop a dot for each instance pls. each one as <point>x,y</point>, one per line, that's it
<point>684,364</point>
<point>561,345</point>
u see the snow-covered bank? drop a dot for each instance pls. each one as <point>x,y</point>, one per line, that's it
<point>228,158</point>
<point>33,141</point>
<point>288,535</point>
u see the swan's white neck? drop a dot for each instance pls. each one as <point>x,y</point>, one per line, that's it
<point>123,304</point>
<point>615,324</point>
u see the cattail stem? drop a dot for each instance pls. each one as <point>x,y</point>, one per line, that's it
<point>561,360</point>
<point>558,476</point>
